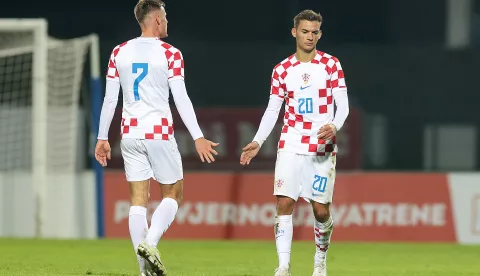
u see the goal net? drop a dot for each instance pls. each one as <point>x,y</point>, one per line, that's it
<point>42,126</point>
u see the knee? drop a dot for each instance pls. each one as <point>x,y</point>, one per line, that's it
<point>179,198</point>
<point>177,195</point>
<point>285,206</point>
<point>321,212</point>
<point>139,199</point>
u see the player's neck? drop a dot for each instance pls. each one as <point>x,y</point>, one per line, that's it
<point>303,56</point>
<point>148,33</point>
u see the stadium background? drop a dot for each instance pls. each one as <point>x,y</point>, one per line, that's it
<point>401,74</point>
<point>408,161</point>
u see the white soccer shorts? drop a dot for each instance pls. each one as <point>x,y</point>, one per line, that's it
<point>159,159</point>
<point>307,176</point>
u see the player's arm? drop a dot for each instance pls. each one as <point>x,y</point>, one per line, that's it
<point>185,107</point>
<point>110,101</point>
<point>102,150</point>
<point>112,89</point>
<point>341,101</point>
<point>187,113</point>
<point>269,119</point>
<point>339,92</point>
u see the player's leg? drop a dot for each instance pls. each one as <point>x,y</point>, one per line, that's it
<point>287,190</point>
<point>166,164</point>
<point>318,187</point>
<point>162,218</point>
<point>323,229</point>
<point>165,213</point>
<point>138,173</point>
<point>137,218</point>
<point>167,169</point>
<point>283,230</point>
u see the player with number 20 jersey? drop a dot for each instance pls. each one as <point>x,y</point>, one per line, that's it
<point>310,82</point>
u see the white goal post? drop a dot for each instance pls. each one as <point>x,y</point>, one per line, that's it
<point>49,106</point>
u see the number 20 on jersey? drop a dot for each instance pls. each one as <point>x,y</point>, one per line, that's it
<point>305,105</point>
<point>136,67</point>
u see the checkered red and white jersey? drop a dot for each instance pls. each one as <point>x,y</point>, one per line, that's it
<point>144,67</point>
<point>308,90</point>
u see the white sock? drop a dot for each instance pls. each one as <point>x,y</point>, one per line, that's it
<point>283,238</point>
<point>323,232</point>
<point>138,226</point>
<point>161,220</point>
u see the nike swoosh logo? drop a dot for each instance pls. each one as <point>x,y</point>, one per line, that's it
<point>302,88</point>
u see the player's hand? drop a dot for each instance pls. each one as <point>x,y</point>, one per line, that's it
<point>205,150</point>
<point>249,152</point>
<point>327,132</point>
<point>103,152</point>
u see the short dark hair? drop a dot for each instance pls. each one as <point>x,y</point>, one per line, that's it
<point>144,7</point>
<point>307,15</point>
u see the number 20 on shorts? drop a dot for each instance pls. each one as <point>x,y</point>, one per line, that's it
<point>319,183</point>
<point>140,77</point>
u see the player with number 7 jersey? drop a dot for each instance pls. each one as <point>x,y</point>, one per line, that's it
<point>147,69</point>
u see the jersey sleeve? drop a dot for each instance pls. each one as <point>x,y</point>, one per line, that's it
<point>185,108</point>
<point>269,120</point>
<point>112,72</point>
<point>175,64</point>
<point>277,84</point>
<point>337,77</point>
<point>339,92</point>
<point>108,108</point>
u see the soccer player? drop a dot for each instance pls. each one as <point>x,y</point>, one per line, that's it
<point>146,68</point>
<point>309,82</point>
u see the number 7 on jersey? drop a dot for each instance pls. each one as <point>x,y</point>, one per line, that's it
<point>135,67</point>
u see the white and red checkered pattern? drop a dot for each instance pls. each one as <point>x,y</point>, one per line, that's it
<point>175,61</point>
<point>112,72</point>
<point>309,91</point>
<point>322,239</point>
<point>162,131</point>
<point>144,67</point>
<point>126,124</point>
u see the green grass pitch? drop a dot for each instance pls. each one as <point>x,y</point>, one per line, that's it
<point>234,258</point>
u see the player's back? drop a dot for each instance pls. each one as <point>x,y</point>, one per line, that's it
<point>144,67</point>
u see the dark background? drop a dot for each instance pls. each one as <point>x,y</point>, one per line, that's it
<point>393,53</point>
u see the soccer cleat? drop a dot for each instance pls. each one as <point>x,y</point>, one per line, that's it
<point>148,271</point>
<point>152,256</point>
<point>283,271</point>
<point>320,269</point>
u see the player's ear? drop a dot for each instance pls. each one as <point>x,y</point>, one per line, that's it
<point>294,32</point>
